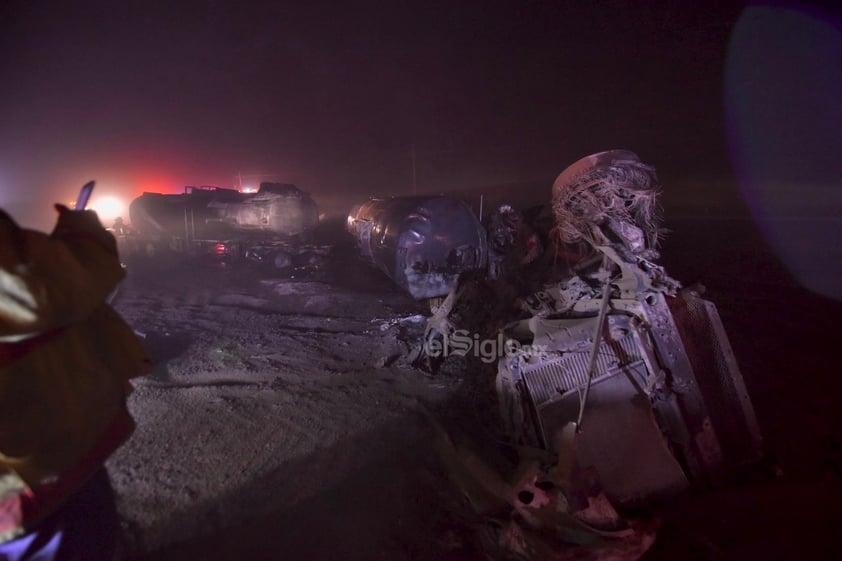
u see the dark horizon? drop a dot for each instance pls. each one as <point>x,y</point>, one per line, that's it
<point>152,97</point>
<point>735,104</point>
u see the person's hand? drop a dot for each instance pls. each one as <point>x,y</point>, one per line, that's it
<point>72,223</point>
<point>76,220</point>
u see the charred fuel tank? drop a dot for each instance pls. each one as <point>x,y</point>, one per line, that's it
<point>421,243</point>
<point>276,209</point>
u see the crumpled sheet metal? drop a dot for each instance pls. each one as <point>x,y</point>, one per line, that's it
<point>667,406</point>
<point>612,193</point>
<point>657,381</point>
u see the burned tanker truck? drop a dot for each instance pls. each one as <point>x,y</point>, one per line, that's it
<point>422,243</point>
<point>607,351</point>
<point>223,222</point>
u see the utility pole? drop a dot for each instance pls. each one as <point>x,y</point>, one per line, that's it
<point>414,183</point>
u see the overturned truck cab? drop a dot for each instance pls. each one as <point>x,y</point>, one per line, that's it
<point>422,243</point>
<point>648,378</point>
<point>641,367</point>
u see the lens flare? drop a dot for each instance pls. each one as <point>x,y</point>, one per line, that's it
<point>783,86</point>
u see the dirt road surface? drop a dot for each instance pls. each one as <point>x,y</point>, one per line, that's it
<point>283,419</point>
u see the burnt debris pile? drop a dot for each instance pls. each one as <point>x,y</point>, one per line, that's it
<point>615,388</point>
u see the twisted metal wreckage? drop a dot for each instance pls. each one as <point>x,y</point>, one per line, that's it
<point>614,371</point>
<point>644,365</point>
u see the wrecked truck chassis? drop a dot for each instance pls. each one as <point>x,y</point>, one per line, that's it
<point>157,246</point>
<point>279,254</point>
<point>667,406</point>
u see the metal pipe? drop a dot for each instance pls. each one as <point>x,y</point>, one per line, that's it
<point>603,309</point>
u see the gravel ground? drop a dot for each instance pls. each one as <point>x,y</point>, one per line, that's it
<point>283,419</point>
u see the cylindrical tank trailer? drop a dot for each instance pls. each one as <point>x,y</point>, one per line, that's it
<point>276,209</point>
<point>422,243</point>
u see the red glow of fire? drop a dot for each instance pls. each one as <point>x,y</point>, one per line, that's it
<point>157,185</point>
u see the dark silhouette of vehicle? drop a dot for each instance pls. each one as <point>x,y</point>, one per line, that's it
<point>221,221</point>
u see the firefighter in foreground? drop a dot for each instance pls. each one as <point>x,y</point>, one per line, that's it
<point>66,358</point>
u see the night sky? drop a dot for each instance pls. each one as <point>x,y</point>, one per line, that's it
<point>333,96</point>
<point>336,97</point>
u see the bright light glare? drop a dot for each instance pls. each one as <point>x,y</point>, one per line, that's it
<point>108,207</point>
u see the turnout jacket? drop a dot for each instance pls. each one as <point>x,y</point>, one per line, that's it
<point>66,358</point>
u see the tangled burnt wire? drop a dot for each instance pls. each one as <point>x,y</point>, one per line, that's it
<point>613,191</point>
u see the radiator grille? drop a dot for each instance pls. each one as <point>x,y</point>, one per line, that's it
<point>554,376</point>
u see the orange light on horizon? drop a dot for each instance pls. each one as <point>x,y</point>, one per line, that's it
<point>156,185</point>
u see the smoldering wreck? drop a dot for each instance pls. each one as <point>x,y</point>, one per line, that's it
<point>616,386</point>
<point>422,243</point>
<point>274,225</point>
